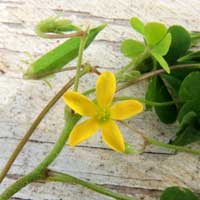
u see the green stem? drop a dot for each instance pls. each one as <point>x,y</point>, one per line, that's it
<point>149,140</point>
<point>133,64</point>
<point>152,103</point>
<point>34,125</point>
<point>171,146</point>
<point>65,178</point>
<point>39,171</point>
<point>80,57</point>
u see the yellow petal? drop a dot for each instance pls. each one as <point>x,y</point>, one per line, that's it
<point>112,136</point>
<point>105,89</point>
<point>83,131</point>
<point>125,109</point>
<point>80,103</point>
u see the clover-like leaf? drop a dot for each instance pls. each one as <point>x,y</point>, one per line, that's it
<point>161,61</point>
<point>137,24</point>
<point>178,193</point>
<point>162,47</point>
<point>190,87</point>
<point>189,130</point>
<point>154,32</point>
<point>180,43</point>
<point>132,48</point>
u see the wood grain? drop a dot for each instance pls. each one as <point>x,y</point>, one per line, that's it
<point>142,176</point>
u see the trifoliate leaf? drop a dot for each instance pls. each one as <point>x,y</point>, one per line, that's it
<point>163,46</point>
<point>154,32</point>
<point>178,193</point>
<point>190,87</point>
<point>137,24</point>
<point>179,45</point>
<point>132,48</point>
<point>161,61</point>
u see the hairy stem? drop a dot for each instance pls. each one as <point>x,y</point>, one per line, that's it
<point>39,171</point>
<point>34,126</point>
<point>171,146</point>
<point>152,103</point>
<point>65,178</point>
<point>80,57</point>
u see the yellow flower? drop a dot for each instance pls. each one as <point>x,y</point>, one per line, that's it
<point>101,114</point>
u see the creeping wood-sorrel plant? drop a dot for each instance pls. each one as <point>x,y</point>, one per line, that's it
<point>166,58</point>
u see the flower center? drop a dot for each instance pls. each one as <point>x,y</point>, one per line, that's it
<point>103,115</point>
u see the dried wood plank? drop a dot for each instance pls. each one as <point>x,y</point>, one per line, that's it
<point>20,101</point>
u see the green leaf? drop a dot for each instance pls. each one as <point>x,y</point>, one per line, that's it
<point>195,37</point>
<point>193,56</point>
<point>154,32</point>
<point>163,46</point>
<point>161,61</point>
<point>193,105</point>
<point>173,85</point>
<point>61,55</point>
<point>151,92</point>
<point>137,24</point>
<point>158,92</point>
<point>167,114</point>
<point>189,130</point>
<point>180,43</point>
<point>132,48</point>
<point>178,193</point>
<point>190,87</point>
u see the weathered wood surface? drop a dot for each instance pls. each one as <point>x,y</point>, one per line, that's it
<point>20,101</point>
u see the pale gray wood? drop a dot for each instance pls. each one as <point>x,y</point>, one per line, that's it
<point>20,101</point>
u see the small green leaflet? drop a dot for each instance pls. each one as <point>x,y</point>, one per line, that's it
<point>189,130</point>
<point>193,105</point>
<point>137,24</point>
<point>190,87</point>
<point>132,48</point>
<point>159,42</point>
<point>161,61</point>
<point>180,43</point>
<point>154,32</point>
<point>178,193</point>
<point>195,37</point>
<point>193,56</point>
<point>158,92</point>
<point>162,47</point>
